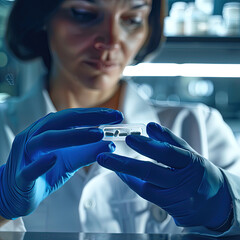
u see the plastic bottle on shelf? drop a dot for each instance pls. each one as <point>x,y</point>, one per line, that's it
<point>205,6</point>
<point>231,17</point>
<point>177,17</point>
<point>195,21</point>
<point>215,25</point>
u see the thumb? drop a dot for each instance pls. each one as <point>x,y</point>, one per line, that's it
<point>25,179</point>
<point>84,155</point>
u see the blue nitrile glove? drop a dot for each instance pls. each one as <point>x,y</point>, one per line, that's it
<point>191,189</point>
<point>45,155</point>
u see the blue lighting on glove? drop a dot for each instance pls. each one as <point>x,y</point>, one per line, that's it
<point>45,155</point>
<point>190,188</point>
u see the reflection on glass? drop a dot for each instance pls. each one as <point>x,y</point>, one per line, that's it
<point>102,236</point>
<point>12,236</point>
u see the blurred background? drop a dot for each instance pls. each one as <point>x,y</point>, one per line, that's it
<point>199,62</point>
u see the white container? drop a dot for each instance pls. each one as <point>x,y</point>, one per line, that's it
<point>174,24</point>
<point>205,6</point>
<point>195,21</point>
<point>215,25</point>
<point>231,16</point>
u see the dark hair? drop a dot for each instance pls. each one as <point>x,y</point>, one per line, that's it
<point>27,39</point>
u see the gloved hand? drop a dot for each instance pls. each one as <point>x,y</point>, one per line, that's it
<point>45,155</point>
<point>190,188</point>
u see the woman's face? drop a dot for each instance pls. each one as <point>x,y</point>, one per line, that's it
<point>92,41</point>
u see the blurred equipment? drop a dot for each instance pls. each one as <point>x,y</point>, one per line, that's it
<point>205,6</point>
<point>203,18</point>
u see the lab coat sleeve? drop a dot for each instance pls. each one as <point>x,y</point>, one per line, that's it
<point>223,149</point>
<point>224,152</point>
<point>13,226</point>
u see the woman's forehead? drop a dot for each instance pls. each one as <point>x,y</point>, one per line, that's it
<point>126,2</point>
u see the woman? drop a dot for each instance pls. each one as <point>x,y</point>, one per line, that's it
<point>85,46</point>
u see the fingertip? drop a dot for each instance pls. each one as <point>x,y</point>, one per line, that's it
<point>96,132</point>
<point>156,131</point>
<point>101,158</point>
<point>106,146</point>
<point>129,140</point>
<point>152,126</point>
<point>137,143</point>
<point>113,116</point>
<point>112,147</point>
<point>119,116</point>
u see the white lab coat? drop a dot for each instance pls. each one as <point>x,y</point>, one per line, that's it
<point>99,201</point>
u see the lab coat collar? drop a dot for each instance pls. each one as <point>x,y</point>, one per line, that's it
<point>49,104</point>
<point>132,105</point>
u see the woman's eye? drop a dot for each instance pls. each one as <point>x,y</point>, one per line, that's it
<point>83,16</point>
<point>133,21</point>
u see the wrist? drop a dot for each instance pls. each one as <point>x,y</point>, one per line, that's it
<point>227,224</point>
<point>221,209</point>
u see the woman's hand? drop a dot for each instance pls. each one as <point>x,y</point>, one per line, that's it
<point>189,187</point>
<point>45,155</point>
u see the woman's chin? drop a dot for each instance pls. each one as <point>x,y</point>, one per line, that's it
<point>102,83</point>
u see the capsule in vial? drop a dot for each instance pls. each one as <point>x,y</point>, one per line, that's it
<point>118,132</point>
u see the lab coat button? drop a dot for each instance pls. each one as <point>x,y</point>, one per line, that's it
<point>158,213</point>
<point>89,204</point>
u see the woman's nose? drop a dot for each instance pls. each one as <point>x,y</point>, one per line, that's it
<point>101,46</point>
<point>108,37</point>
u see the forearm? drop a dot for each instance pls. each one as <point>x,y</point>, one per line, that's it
<point>3,221</point>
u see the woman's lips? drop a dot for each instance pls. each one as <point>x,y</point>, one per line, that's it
<point>103,66</point>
